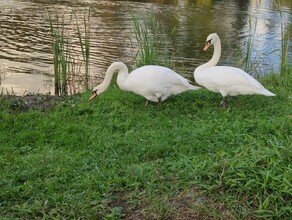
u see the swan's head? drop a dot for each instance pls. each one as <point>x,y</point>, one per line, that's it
<point>211,39</point>
<point>97,91</point>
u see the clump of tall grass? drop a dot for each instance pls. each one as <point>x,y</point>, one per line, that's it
<point>85,45</point>
<point>152,43</point>
<point>249,45</point>
<point>251,63</point>
<point>61,54</point>
<point>67,68</point>
<point>285,37</point>
<point>248,62</point>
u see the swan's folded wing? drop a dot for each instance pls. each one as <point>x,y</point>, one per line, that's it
<point>229,76</point>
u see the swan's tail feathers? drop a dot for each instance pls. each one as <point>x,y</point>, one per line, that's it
<point>194,87</point>
<point>267,93</point>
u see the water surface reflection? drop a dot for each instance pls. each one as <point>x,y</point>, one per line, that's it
<point>25,49</point>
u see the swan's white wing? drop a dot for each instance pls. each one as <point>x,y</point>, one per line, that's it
<point>158,81</point>
<point>226,75</point>
<point>155,78</point>
<point>228,81</point>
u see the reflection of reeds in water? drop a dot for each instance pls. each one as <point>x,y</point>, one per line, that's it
<point>68,68</point>
<point>152,44</point>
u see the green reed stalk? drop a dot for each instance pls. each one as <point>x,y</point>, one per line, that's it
<point>152,45</point>
<point>284,45</point>
<point>64,63</point>
<point>85,45</point>
<point>2,74</point>
<point>56,49</point>
<point>60,46</point>
<point>249,46</point>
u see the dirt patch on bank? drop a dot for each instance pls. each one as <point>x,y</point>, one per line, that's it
<point>187,205</point>
<point>30,102</point>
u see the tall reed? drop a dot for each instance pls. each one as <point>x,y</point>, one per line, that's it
<point>2,73</point>
<point>68,70</point>
<point>249,61</point>
<point>61,54</point>
<point>285,37</point>
<point>152,43</point>
<point>85,45</point>
<point>249,45</point>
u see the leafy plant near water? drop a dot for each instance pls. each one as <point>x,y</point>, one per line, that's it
<point>251,64</point>
<point>67,68</point>
<point>152,43</point>
<point>61,54</point>
<point>85,45</point>
<point>249,46</point>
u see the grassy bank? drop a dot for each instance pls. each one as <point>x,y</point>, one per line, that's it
<point>114,158</point>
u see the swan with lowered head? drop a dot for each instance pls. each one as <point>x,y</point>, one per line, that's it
<point>227,80</point>
<point>155,83</point>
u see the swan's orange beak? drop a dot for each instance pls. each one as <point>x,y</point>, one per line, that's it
<point>207,45</point>
<point>93,95</point>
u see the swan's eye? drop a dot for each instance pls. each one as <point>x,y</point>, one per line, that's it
<point>209,41</point>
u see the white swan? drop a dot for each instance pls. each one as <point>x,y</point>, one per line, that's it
<point>155,83</point>
<point>227,80</point>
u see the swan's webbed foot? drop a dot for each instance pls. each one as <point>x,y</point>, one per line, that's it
<point>223,103</point>
<point>158,101</point>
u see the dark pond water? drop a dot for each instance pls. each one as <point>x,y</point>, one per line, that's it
<point>25,46</point>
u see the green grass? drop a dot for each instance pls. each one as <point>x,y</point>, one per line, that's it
<point>114,158</point>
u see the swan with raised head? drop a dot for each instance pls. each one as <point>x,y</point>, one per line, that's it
<point>155,83</point>
<point>227,80</point>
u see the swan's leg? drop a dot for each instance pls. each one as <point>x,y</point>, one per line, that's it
<point>146,103</point>
<point>223,103</point>
<point>159,100</point>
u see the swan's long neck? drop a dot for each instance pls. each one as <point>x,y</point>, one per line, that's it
<point>215,57</point>
<point>122,74</point>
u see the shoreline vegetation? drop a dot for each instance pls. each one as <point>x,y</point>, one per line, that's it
<point>63,157</point>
